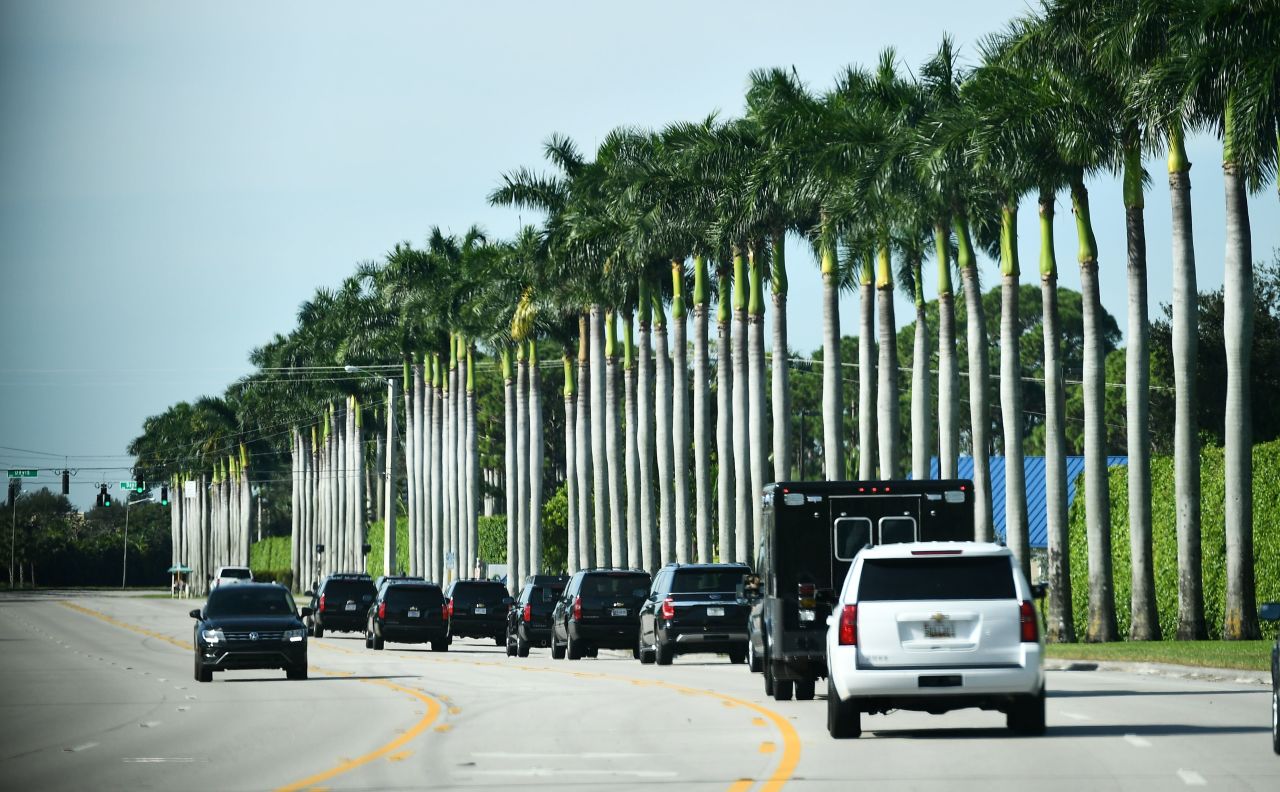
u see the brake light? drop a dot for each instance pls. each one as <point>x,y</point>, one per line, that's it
<point>448,609</point>
<point>1027,619</point>
<point>807,590</point>
<point>528,612</point>
<point>321,602</point>
<point>848,633</point>
<point>444,611</point>
<point>668,608</point>
<point>577,608</point>
<point>382,610</point>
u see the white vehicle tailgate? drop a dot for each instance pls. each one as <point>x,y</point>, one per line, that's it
<point>954,633</point>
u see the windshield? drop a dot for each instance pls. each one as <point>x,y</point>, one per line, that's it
<point>248,601</point>
<point>696,581</point>
<point>355,590</point>
<point>937,578</point>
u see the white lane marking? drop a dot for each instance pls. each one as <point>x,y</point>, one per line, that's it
<point>81,747</point>
<point>159,759</point>
<point>590,755</point>
<point>1077,716</point>
<point>149,724</point>
<point>183,709</point>
<point>546,772</point>
<point>1192,778</point>
<point>1136,741</point>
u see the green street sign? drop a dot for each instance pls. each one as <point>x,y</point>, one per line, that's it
<point>22,473</point>
<point>126,485</point>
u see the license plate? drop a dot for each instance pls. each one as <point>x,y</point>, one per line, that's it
<point>807,615</point>
<point>481,610</point>
<point>618,612</point>
<point>715,611</point>
<point>939,628</point>
<point>413,613</point>
<point>351,606</point>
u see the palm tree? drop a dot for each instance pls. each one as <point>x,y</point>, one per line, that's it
<point>679,417</point>
<point>613,434</point>
<point>701,411</point>
<point>645,430</point>
<point>726,486</point>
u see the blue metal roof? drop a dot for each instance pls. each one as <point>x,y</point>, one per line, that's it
<point>1037,520</point>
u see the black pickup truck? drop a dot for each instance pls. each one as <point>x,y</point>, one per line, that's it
<point>810,534</point>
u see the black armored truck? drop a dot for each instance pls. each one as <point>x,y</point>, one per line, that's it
<point>810,533</point>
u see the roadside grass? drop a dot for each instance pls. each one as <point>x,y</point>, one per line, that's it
<point>1244,655</point>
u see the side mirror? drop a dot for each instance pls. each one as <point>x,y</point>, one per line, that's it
<point>195,613</point>
<point>1269,611</point>
<point>1039,590</point>
<point>304,612</point>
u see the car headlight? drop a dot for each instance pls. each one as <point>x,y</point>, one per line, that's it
<point>212,636</point>
<point>294,636</point>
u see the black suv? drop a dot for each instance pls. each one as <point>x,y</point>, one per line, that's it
<point>694,608</point>
<point>407,612</point>
<point>477,609</point>
<point>600,609</point>
<point>1271,612</point>
<point>341,603</point>
<point>382,580</point>
<point>250,625</point>
<point>529,622</point>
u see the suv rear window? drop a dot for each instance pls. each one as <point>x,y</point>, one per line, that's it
<point>936,578</point>
<point>466,594</point>
<point>234,572</point>
<point>421,596</point>
<point>615,586</point>
<point>350,590</point>
<point>691,581</point>
<point>545,594</point>
<point>248,601</point>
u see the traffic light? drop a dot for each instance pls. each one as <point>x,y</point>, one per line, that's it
<point>140,486</point>
<point>66,482</point>
<point>15,486</point>
<point>106,496</point>
<point>102,495</point>
<point>164,495</point>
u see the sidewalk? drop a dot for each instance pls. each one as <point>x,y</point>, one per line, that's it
<point>1231,675</point>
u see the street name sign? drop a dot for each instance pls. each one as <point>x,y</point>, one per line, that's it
<point>22,473</point>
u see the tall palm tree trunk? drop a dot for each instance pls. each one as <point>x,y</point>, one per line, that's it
<point>1186,441</point>
<point>757,413</point>
<point>599,429</point>
<point>389,485</point>
<point>586,513</point>
<point>612,436</point>
<point>534,564</point>
<point>1240,612</point>
<point>662,421</point>
<point>473,462</point>
<point>680,417</point>
<point>1144,622</point>
<point>358,494</point>
<point>427,489</point>
<point>630,456</point>
<point>645,433</point>
<point>1015,476</point>
<point>979,376</point>
<point>701,416</point>
<point>522,467</point>
<point>780,374</point>
<point>412,459</point>
<point>887,389</point>
<point>832,395</point>
<point>1102,611</point>
<point>570,466</point>
<point>921,398</point>
<point>867,373</point>
<point>1059,627</point>
<point>725,484</point>
<point>741,407</point>
<point>948,365</point>
<point>436,461</point>
<point>447,469</point>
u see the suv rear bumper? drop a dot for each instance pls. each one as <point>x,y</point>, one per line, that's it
<point>534,634</point>
<point>605,636</point>
<point>704,639</point>
<point>478,628</point>
<point>920,685</point>
<point>342,621</point>
<point>399,633</point>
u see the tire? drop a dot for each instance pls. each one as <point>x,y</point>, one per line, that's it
<point>664,653</point>
<point>298,672</point>
<point>767,668</point>
<point>511,646</point>
<point>753,660</point>
<point>592,651</point>
<point>318,630</point>
<point>1275,717</point>
<point>1026,716</point>
<point>368,640</point>
<point>782,689</point>
<point>557,651</point>
<point>203,674</point>
<point>635,653</point>
<point>377,643</point>
<point>440,646</point>
<point>573,649</point>
<point>804,689</point>
<point>522,647</point>
<point>844,721</point>
<point>737,656</point>
<point>645,656</point>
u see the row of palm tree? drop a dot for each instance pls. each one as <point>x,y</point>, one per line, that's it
<point>661,223</point>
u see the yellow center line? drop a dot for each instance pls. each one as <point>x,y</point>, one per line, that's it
<point>433,707</point>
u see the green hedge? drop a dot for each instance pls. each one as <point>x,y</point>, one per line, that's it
<point>555,535</point>
<point>1266,539</point>
<point>373,562</point>
<point>271,553</point>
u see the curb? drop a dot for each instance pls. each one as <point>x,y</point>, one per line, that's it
<point>1230,675</point>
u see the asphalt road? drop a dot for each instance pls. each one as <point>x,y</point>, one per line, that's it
<point>98,694</point>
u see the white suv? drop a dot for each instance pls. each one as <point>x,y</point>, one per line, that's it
<point>935,626</point>
<point>231,574</point>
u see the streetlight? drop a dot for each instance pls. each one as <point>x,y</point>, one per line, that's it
<point>124,569</point>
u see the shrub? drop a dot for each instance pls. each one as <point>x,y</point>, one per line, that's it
<point>373,562</point>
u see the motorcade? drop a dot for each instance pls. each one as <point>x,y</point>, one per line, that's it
<point>600,609</point>
<point>1271,612</point>
<point>694,608</point>
<point>935,627</point>
<point>231,574</point>
<point>811,532</point>
<point>407,611</point>
<point>341,603</point>
<point>477,609</point>
<point>529,621</point>
<point>248,626</point>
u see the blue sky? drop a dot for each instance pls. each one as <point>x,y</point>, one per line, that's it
<point>178,177</point>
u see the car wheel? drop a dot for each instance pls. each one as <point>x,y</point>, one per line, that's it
<point>557,651</point>
<point>664,652</point>
<point>844,720</point>
<point>318,631</point>
<point>203,674</point>
<point>737,656</point>
<point>511,647</point>
<point>440,646</point>
<point>572,649</point>
<point>768,674</point>
<point>1275,717</point>
<point>368,640</point>
<point>1026,716</point>
<point>645,656</point>
<point>297,672</point>
<point>522,647</point>
<point>782,689</point>
<point>378,643</point>
<point>804,689</point>
<point>753,660</point>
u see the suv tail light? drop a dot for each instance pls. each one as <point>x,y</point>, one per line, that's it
<point>668,608</point>
<point>448,609</point>
<point>321,602</point>
<point>808,593</point>
<point>1027,619</point>
<point>577,608</point>
<point>849,626</point>
<point>444,611</point>
<point>528,612</point>
<point>382,610</point>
